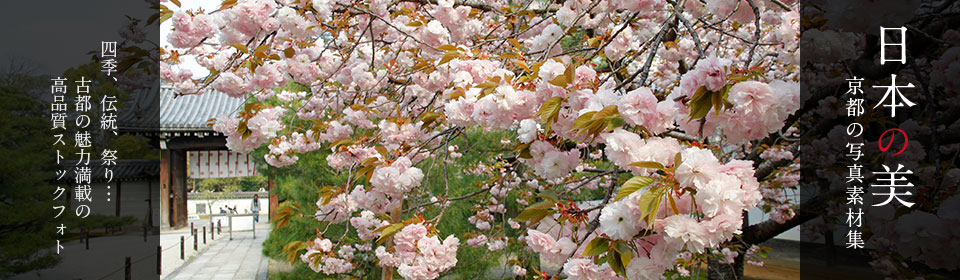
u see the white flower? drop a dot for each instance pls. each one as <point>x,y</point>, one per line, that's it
<point>686,229</point>
<point>546,38</point>
<point>721,195</point>
<point>325,245</point>
<point>527,131</point>
<point>551,69</point>
<point>556,164</point>
<point>519,270</point>
<point>496,245</point>
<point>699,166</point>
<point>617,223</point>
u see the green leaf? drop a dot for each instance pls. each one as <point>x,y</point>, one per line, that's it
<point>549,112</point>
<point>521,147</point>
<point>213,74</point>
<point>634,184</point>
<point>566,78</point>
<point>341,142</point>
<point>509,55</point>
<point>292,249</point>
<point>700,104</point>
<point>326,194</point>
<point>606,112</point>
<point>550,109</point>
<point>420,65</point>
<point>533,215</point>
<point>286,211</point>
<point>430,117</point>
<point>546,205</point>
<point>673,204</point>
<point>725,94</point>
<point>593,126</point>
<point>626,254</point>
<point>227,4</point>
<point>523,65</point>
<point>447,57</point>
<point>717,101</point>
<point>525,153</point>
<point>649,164</point>
<point>262,49</point>
<point>448,48</point>
<point>550,195</point>
<point>241,48</point>
<point>486,85</point>
<point>616,263</point>
<point>535,212</point>
<point>583,120</point>
<point>650,203</point>
<point>615,122</point>
<point>596,247</point>
<point>594,123</point>
<point>560,81</point>
<point>387,231</point>
<point>516,44</point>
<point>165,14</point>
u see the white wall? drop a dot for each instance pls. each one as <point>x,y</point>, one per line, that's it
<point>242,204</point>
<point>756,216</point>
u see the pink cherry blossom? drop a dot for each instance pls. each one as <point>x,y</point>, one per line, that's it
<point>551,249</point>
<point>584,269</point>
<point>269,75</point>
<point>406,89</point>
<point>551,70</point>
<point>749,97</point>
<point>189,30</point>
<point>699,167</point>
<point>337,210</point>
<point>397,178</point>
<point>618,222</point>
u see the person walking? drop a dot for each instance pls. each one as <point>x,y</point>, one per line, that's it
<point>255,208</point>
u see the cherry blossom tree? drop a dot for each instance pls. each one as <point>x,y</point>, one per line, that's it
<point>679,112</point>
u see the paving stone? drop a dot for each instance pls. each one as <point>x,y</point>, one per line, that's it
<point>240,258</point>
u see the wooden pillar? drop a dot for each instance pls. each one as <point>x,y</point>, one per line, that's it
<point>274,200</point>
<point>165,188</point>
<point>178,187</point>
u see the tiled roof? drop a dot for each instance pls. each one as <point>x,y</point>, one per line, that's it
<point>191,112</point>
<point>185,113</point>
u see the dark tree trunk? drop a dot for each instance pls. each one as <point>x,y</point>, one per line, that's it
<point>717,270</point>
<point>726,271</point>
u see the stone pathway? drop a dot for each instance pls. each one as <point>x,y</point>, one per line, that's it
<point>170,242</point>
<point>240,258</point>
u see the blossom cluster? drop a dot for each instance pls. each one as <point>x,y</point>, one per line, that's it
<point>320,257</point>
<point>757,108</point>
<point>419,255</point>
<point>397,178</point>
<point>387,88</point>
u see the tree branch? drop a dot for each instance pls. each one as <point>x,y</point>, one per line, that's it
<point>808,210</point>
<point>653,52</point>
